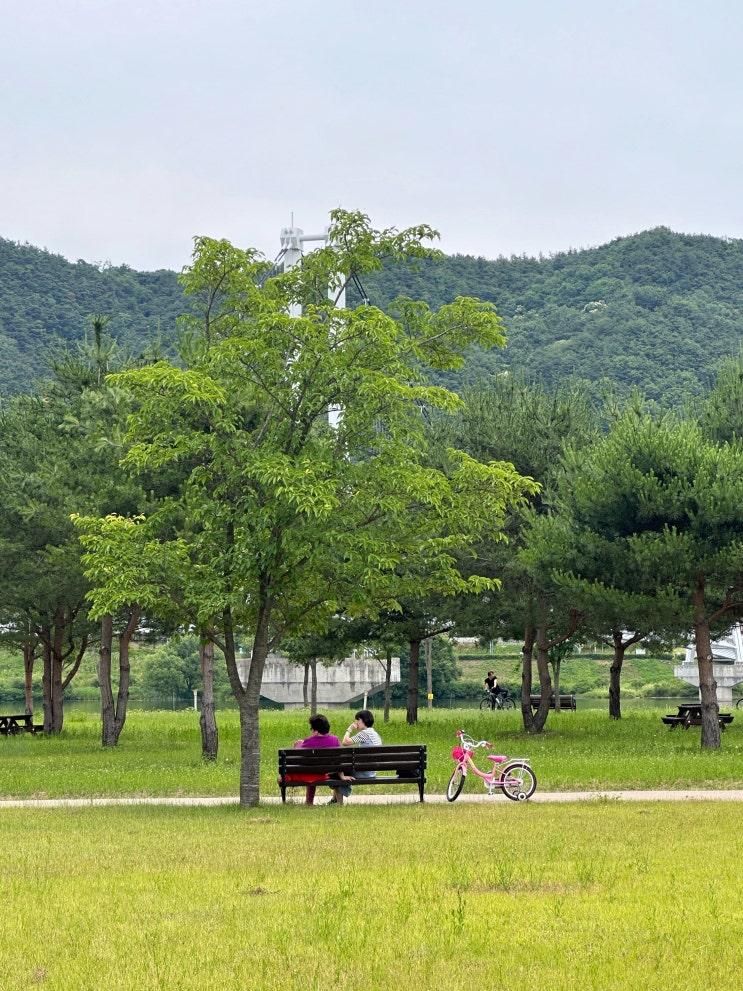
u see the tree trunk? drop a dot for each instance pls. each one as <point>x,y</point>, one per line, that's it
<point>305,685</point>
<point>387,684</point>
<point>108,713</point>
<point>46,679</point>
<point>545,682</point>
<point>707,684</point>
<point>527,660</point>
<point>412,713</point>
<point>122,698</point>
<point>615,675</point>
<point>29,655</point>
<point>248,699</point>
<point>313,687</point>
<point>207,719</point>
<point>113,713</point>
<point>57,663</point>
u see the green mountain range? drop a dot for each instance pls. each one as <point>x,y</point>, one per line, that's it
<point>44,299</point>
<point>656,310</point>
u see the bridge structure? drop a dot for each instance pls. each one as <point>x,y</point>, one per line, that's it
<point>727,665</point>
<point>353,679</point>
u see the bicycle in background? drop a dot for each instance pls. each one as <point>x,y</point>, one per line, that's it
<point>500,700</point>
<point>515,778</point>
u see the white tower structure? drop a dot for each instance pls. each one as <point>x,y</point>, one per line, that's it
<point>727,664</point>
<point>292,241</point>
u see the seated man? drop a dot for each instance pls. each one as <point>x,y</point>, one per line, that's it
<point>360,733</point>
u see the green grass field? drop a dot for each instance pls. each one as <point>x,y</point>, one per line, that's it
<point>159,753</point>
<point>593,895</point>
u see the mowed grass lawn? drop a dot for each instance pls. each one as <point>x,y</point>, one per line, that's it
<point>160,753</point>
<point>592,895</point>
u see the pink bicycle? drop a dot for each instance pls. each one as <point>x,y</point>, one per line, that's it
<point>515,778</point>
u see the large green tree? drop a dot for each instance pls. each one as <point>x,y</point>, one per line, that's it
<point>666,501</point>
<point>289,519</point>
<point>43,478</point>
<point>529,426</point>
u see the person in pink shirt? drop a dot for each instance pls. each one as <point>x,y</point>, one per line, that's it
<point>320,736</point>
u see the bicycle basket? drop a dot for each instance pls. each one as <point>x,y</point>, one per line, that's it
<point>458,753</point>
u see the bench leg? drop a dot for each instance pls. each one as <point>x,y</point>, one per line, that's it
<point>421,787</point>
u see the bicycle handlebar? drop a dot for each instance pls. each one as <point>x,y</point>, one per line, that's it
<point>471,744</point>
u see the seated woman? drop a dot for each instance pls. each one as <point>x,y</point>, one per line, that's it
<point>320,736</point>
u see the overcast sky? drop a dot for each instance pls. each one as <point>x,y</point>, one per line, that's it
<point>512,126</point>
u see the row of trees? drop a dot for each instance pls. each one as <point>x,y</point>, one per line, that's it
<point>214,494</point>
<point>225,501</point>
<point>635,533</point>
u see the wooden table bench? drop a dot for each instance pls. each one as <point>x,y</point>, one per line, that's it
<point>23,723</point>
<point>566,702</point>
<point>403,764</point>
<point>690,714</point>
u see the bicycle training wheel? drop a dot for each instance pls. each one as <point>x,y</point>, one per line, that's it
<point>518,781</point>
<point>486,703</point>
<point>456,783</point>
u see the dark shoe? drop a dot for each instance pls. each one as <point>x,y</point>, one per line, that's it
<point>333,801</point>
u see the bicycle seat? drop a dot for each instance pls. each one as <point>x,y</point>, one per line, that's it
<point>497,758</point>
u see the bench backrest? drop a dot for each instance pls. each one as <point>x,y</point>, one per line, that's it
<point>566,701</point>
<point>408,757</point>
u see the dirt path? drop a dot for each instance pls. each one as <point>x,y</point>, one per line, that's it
<point>687,795</point>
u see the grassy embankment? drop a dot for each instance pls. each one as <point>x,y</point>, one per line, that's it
<point>447,897</point>
<point>159,753</point>
<point>587,673</point>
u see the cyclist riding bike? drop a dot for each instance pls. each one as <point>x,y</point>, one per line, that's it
<point>491,685</point>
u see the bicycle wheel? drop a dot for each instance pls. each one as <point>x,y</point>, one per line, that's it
<point>739,703</point>
<point>487,703</point>
<point>456,783</point>
<point>518,781</point>
<point>508,703</point>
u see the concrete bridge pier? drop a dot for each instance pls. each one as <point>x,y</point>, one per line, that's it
<point>337,685</point>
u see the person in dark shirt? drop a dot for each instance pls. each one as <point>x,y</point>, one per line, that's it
<point>491,685</point>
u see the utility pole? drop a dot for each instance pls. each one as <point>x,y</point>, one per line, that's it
<point>428,647</point>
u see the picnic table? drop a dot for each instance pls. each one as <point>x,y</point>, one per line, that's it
<point>22,723</point>
<point>690,714</point>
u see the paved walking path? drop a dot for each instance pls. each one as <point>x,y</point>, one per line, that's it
<point>693,795</point>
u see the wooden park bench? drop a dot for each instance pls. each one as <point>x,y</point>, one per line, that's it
<point>566,702</point>
<point>24,723</point>
<point>403,764</point>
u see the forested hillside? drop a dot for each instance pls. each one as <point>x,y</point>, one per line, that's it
<point>655,310</point>
<point>45,299</point>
